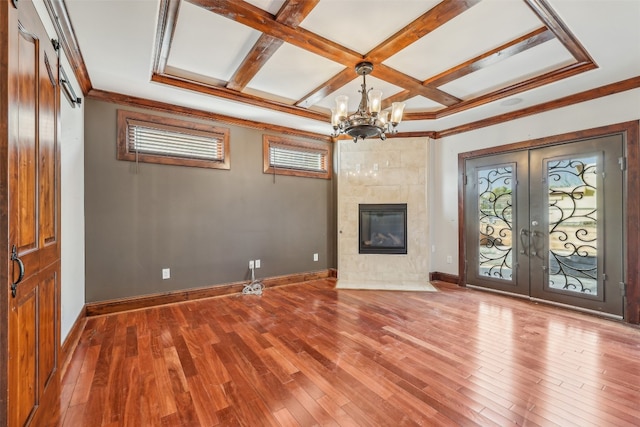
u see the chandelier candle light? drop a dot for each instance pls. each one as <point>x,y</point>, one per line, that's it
<point>368,121</point>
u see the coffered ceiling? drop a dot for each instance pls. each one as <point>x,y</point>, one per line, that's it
<point>283,62</point>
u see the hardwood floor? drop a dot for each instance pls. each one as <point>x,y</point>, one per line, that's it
<point>308,355</point>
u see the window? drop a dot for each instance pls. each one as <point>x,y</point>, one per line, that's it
<point>283,156</point>
<point>156,139</point>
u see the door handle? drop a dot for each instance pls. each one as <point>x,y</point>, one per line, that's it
<point>523,232</point>
<point>15,257</point>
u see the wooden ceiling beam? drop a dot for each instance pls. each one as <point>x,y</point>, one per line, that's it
<point>223,92</point>
<point>390,75</point>
<point>164,33</point>
<point>256,18</point>
<point>292,14</point>
<point>494,56</point>
<point>260,53</point>
<point>327,88</point>
<point>429,21</point>
<point>201,114</point>
<point>588,95</point>
<point>545,79</point>
<point>551,19</point>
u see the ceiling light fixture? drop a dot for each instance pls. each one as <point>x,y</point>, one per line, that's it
<point>368,121</point>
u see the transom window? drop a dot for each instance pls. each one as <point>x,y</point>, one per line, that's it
<point>283,156</point>
<point>156,139</point>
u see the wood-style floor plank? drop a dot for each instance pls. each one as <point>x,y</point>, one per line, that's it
<point>308,354</point>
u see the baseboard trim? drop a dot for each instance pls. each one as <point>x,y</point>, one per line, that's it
<point>71,341</point>
<point>444,277</point>
<point>145,301</point>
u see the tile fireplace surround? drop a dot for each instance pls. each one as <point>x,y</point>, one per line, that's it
<point>391,171</point>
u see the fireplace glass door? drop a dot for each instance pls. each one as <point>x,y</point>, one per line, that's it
<point>383,228</point>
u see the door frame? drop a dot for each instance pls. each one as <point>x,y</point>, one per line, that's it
<point>631,200</point>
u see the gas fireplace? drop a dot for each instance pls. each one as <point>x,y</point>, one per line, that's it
<point>383,228</point>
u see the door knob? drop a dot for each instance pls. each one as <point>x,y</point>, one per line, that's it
<point>534,223</point>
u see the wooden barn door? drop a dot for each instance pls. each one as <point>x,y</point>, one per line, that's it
<point>33,288</point>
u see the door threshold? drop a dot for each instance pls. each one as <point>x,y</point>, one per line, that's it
<point>544,301</point>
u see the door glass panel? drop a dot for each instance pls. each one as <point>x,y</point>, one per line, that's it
<point>495,201</point>
<point>572,219</point>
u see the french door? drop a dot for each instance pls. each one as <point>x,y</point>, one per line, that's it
<point>548,223</point>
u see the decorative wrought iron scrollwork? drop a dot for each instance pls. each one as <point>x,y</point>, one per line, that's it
<point>495,220</point>
<point>573,224</point>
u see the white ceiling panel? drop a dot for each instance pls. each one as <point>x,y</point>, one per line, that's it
<point>271,6</point>
<point>215,48</point>
<point>352,91</point>
<point>362,25</point>
<point>538,60</point>
<point>613,43</point>
<point>485,26</point>
<point>115,56</point>
<point>420,103</point>
<point>293,72</point>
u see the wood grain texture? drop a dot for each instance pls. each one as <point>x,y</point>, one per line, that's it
<point>508,50</point>
<point>444,277</point>
<point>258,19</point>
<point>561,31</point>
<point>309,354</point>
<point>8,129</point>
<point>414,31</point>
<point>226,93</point>
<point>283,28</point>
<point>167,20</point>
<point>126,119</point>
<point>599,92</point>
<point>632,195</point>
<point>273,141</point>
<point>291,13</point>
<point>118,98</point>
<point>62,23</point>
<point>30,208</point>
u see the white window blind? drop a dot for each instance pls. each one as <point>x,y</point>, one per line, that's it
<point>300,159</point>
<point>155,140</point>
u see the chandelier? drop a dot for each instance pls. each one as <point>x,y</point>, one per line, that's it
<point>368,121</point>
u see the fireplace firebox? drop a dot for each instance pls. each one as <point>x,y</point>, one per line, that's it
<point>383,228</point>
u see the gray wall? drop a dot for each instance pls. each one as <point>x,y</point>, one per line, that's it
<point>203,224</point>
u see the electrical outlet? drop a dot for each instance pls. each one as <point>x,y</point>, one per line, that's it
<point>315,257</point>
<point>166,273</point>
<point>257,263</point>
<point>449,259</point>
<point>251,264</point>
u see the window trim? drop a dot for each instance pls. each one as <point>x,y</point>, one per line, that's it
<point>127,118</point>
<point>276,141</point>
